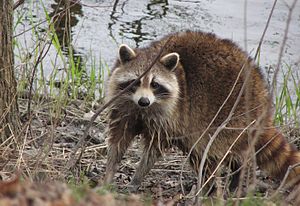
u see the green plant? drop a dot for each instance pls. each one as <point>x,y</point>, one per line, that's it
<point>79,187</point>
<point>287,99</point>
<point>69,76</point>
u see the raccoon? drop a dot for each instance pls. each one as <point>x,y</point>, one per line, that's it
<point>187,95</point>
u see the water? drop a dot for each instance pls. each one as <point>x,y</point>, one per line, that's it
<point>98,27</point>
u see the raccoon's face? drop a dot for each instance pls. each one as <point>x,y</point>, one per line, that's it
<point>158,88</point>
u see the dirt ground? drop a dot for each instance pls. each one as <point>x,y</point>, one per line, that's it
<point>49,138</point>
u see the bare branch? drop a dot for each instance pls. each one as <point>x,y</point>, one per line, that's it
<point>18,3</point>
<point>286,31</point>
<point>282,184</point>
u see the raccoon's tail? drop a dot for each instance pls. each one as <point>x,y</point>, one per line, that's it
<point>276,156</point>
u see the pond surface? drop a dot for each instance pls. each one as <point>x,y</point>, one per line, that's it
<point>97,27</point>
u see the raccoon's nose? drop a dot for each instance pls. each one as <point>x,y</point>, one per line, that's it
<point>144,102</point>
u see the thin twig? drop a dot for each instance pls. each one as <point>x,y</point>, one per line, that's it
<point>232,109</point>
<point>18,3</point>
<point>282,184</point>
<point>39,59</point>
<point>221,161</point>
<point>265,30</point>
<point>285,37</point>
<point>245,25</point>
<point>250,151</point>
<point>210,124</point>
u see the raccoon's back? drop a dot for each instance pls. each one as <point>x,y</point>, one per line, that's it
<point>211,67</point>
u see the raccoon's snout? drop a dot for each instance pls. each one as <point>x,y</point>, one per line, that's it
<point>144,102</point>
<point>143,97</point>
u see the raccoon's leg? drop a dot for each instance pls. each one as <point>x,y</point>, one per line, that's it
<point>118,143</point>
<point>195,159</point>
<point>236,169</point>
<point>209,167</point>
<point>150,155</point>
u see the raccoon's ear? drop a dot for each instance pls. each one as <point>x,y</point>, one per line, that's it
<point>170,61</point>
<point>126,53</point>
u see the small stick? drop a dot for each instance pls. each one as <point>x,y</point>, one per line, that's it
<point>18,3</point>
<point>281,52</point>
<point>282,184</point>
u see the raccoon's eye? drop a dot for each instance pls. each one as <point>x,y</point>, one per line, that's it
<point>159,90</point>
<point>126,84</point>
<point>155,85</point>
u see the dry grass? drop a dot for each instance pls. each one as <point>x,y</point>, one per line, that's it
<point>47,140</point>
<point>50,136</point>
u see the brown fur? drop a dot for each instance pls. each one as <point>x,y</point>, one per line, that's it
<point>206,73</point>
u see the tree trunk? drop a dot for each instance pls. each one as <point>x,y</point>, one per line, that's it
<point>9,115</point>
